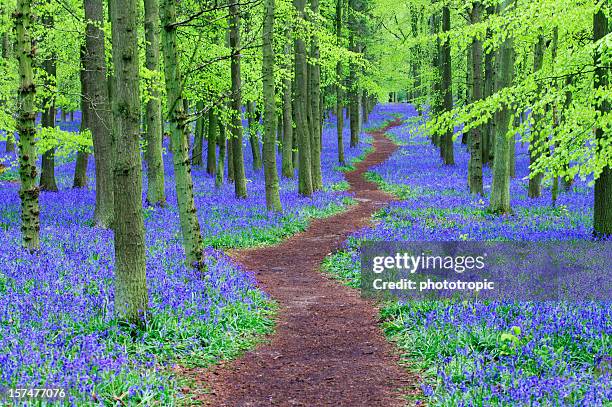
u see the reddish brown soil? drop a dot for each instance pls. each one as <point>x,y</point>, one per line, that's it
<point>327,349</point>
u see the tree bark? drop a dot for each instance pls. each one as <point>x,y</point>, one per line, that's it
<point>198,142</point>
<point>221,162</point>
<point>287,154</point>
<point>190,225</point>
<point>339,91</point>
<point>156,191</point>
<point>26,115</point>
<point>100,123</point>
<point>47,173</point>
<point>269,152</point>
<point>302,129</point>
<point>500,188</point>
<point>446,142</point>
<point>254,139</point>
<point>537,142</point>
<point>602,205</point>
<point>211,153</point>
<point>80,169</point>
<point>240,188</point>
<point>314,70</point>
<point>131,295</point>
<point>475,139</point>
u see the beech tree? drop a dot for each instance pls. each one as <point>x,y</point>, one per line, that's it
<point>96,95</point>
<point>156,192</point>
<point>131,295</point>
<point>177,119</point>
<point>26,115</point>
<point>269,152</point>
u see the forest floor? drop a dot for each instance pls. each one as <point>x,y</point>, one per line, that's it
<point>327,349</point>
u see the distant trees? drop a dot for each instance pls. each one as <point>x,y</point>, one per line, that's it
<point>292,83</point>
<point>554,97</point>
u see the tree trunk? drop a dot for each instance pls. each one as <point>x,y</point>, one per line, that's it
<point>302,129</point>
<point>537,142</point>
<point>436,83</point>
<point>131,295</point>
<point>602,208</point>
<point>198,142</point>
<point>487,138</point>
<point>287,154</point>
<point>253,136</point>
<point>230,157</point>
<point>100,121</point>
<point>446,142</point>
<point>156,192</point>
<point>80,169</point>
<point>190,225</point>
<point>469,85</point>
<point>353,92</point>
<point>314,71</point>
<point>47,173</point>
<point>211,153</point>
<point>500,188</point>
<point>339,92</point>
<point>221,162</point>
<point>240,189</point>
<point>269,154</point>
<point>26,115</point>
<point>475,139</point>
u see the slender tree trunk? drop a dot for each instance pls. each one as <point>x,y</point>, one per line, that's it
<point>287,154</point>
<point>221,162</point>
<point>469,84</point>
<point>47,174</point>
<point>446,142</point>
<point>26,115</point>
<point>198,142</point>
<point>475,139</point>
<point>602,208</point>
<point>279,133</point>
<point>240,189</point>
<point>100,120</point>
<point>257,164</point>
<point>489,83</point>
<point>315,100</point>
<point>567,180</point>
<point>302,129</point>
<point>230,157</point>
<point>131,295</point>
<point>156,192</point>
<point>269,154</point>
<point>190,225</point>
<point>211,153</point>
<point>80,169</point>
<point>436,83</point>
<point>353,91</point>
<point>537,142</point>
<point>339,92</point>
<point>500,188</point>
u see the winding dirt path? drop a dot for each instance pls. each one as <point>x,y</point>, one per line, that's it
<point>327,349</point>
